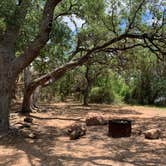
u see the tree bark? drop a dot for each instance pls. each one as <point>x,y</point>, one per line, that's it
<point>6,87</point>
<point>30,98</point>
<point>87,88</point>
<point>5,101</point>
<point>35,97</point>
<point>86,96</point>
<point>27,100</point>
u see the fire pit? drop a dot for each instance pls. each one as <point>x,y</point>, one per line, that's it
<point>119,128</point>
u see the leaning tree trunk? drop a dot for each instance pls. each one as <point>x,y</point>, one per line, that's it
<point>30,98</point>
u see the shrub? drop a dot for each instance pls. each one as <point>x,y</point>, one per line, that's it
<point>101,95</point>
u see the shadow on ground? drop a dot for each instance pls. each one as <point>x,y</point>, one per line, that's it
<point>53,148</point>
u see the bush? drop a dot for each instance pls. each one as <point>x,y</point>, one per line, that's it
<point>101,95</point>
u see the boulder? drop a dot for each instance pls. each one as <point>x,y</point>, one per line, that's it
<point>152,134</point>
<point>76,130</point>
<point>96,119</point>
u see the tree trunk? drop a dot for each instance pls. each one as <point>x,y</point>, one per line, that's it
<point>10,66</point>
<point>88,86</point>
<point>6,86</point>
<point>31,95</point>
<point>35,97</point>
<point>5,100</point>
<point>86,97</point>
<point>27,101</point>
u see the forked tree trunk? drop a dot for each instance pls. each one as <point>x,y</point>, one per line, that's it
<point>30,99</point>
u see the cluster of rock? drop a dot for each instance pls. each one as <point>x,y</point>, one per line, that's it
<point>77,130</point>
<point>25,128</point>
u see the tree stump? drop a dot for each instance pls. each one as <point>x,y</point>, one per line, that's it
<point>119,128</point>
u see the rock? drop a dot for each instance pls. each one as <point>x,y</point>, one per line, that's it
<point>76,134</point>
<point>95,119</point>
<point>76,130</point>
<point>32,136</point>
<point>28,120</point>
<point>22,125</point>
<point>28,134</point>
<point>152,134</point>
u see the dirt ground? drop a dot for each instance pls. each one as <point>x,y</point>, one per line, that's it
<point>53,148</point>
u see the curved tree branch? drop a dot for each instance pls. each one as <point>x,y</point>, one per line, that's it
<point>32,51</point>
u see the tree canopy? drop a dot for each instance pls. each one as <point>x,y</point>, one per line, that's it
<point>52,37</point>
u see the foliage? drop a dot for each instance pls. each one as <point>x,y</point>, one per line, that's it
<point>101,95</point>
<point>129,75</point>
<point>147,83</point>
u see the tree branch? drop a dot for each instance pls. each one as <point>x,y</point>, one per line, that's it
<point>32,51</point>
<point>15,22</point>
<point>59,72</point>
<point>66,12</point>
<point>134,16</point>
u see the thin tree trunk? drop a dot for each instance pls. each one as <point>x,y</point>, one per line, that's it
<point>86,97</point>
<point>88,86</point>
<point>35,97</point>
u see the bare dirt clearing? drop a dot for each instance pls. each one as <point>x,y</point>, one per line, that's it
<point>53,148</point>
